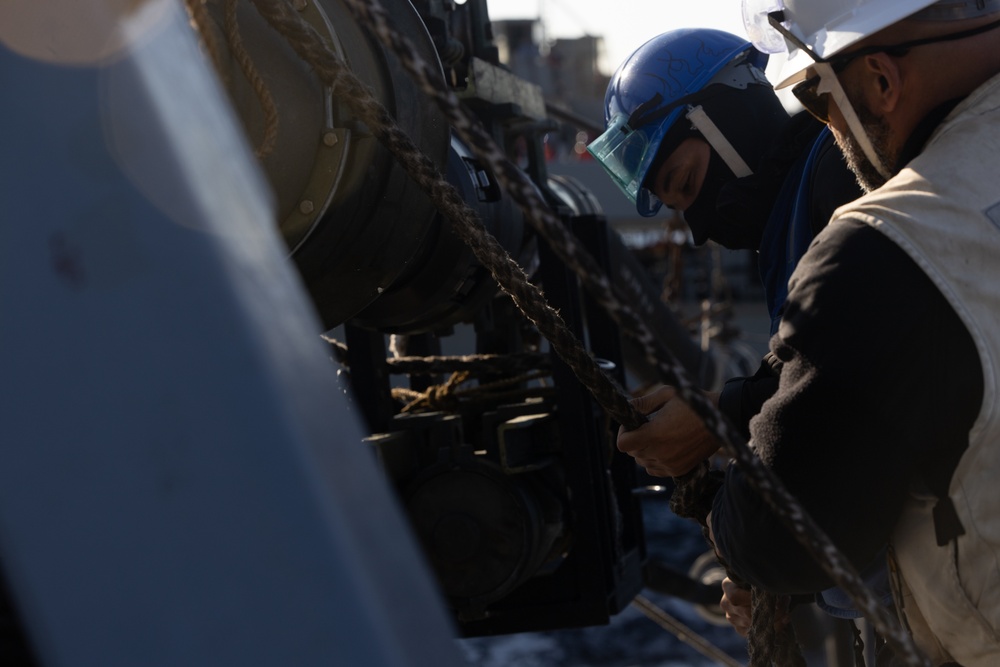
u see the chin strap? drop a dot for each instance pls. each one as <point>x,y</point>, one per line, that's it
<point>829,83</point>
<point>718,141</point>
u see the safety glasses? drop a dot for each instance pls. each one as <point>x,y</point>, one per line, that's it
<point>816,103</point>
<point>810,93</point>
<point>814,93</point>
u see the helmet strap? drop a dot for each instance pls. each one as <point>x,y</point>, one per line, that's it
<point>830,84</point>
<point>713,135</point>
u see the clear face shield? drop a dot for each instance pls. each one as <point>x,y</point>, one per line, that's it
<point>625,153</point>
<point>758,28</point>
<point>620,151</point>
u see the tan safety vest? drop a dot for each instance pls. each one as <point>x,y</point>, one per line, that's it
<point>943,209</point>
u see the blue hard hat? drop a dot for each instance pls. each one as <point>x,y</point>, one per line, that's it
<point>654,87</point>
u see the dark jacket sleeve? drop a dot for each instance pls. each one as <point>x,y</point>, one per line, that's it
<point>742,397</point>
<point>879,378</point>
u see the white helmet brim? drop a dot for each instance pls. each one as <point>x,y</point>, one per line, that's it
<point>835,32</point>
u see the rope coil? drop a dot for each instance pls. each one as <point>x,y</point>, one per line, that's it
<point>449,396</point>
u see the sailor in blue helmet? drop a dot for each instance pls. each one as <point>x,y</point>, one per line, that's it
<point>693,124</point>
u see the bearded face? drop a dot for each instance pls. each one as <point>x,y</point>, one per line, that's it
<point>877,129</point>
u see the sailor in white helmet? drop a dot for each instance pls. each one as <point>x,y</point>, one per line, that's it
<point>886,422</point>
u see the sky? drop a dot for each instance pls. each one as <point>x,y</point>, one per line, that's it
<point>624,24</point>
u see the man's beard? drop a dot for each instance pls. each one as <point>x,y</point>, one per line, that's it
<point>877,130</point>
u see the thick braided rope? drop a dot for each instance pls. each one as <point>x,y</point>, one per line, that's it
<point>201,22</point>
<point>489,364</point>
<point>311,48</point>
<point>450,396</point>
<point>439,397</point>
<point>766,644</point>
<point>267,105</point>
<point>766,639</point>
<point>478,363</point>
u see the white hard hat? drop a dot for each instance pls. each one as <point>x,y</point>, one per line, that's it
<point>827,27</point>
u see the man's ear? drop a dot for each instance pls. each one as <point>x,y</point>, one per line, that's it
<point>883,82</point>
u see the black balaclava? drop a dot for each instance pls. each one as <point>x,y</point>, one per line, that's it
<point>707,222</point>
<point>751,119</point>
